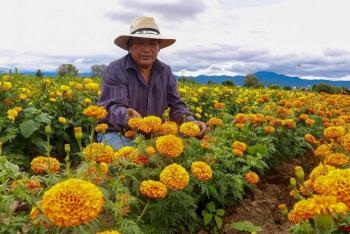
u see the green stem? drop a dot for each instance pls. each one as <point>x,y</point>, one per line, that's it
<point>68,165</point>
<point>143,211</point>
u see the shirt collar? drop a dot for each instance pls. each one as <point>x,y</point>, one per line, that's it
<point>157,66</point>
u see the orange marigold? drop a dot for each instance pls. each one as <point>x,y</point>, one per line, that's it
<point>334,132</point>
<point>251,177</point>
<point>323,150</point>
<point>99,152</point>
<point>320,170</point>
<point>168,127</point>
<point>44,164</point>
<point>310,139</point>
<point>190,129</point>
<point>169,146</point>
<point>150,124</point>
<point>336,159</point>
<point>153,189</point>
<point>239,146</point>
<point>269,129</point>
<point>175,177</point>
<point>101,128</point>
<point>201,171</point>
<point>97,112</point>
<point>214,122</point>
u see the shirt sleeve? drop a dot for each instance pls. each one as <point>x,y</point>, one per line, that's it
<point>178,109</point>
<point>115,98</point>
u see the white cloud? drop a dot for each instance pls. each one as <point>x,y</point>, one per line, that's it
<point>213,37</point>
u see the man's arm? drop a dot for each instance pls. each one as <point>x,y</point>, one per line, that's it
<point>114,97</point>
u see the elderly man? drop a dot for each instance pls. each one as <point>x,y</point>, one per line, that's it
<point>139,84</point>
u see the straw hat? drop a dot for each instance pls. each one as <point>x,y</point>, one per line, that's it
<point>144,27</point>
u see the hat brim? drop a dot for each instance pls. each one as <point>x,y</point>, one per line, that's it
<point>122,40</point>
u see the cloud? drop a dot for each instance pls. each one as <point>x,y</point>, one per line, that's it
<point>169,11</point>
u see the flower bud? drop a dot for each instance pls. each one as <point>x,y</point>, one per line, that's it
<point>67,148</point>
<point>293,182</point>
<point>48,130</point>
<point>1,143</point>
<point>299,173</point>
<point>78,132</point>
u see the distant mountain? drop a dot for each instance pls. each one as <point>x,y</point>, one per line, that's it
<point>268,78</point>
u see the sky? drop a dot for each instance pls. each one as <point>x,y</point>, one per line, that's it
<point>305,38</point>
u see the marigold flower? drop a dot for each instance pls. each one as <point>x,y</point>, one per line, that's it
<point>214,122</point>
<point>239,146</point>
<point>125,151</point>
<point>241,118</point>
<point>72,202</point>
<point>150,150</point>
<point>334,132</point>
<point>251,177</point>
<point>12,114</point>
<point>320,170</point>
<point>239,125</point>
<point>149,124</point>
<point>303,117</point>
<point>346,142</point>
<point>44,164</point>
<point>310,139</point>
<point>5,85</point>
<point>269,129</point>
<point>317,205</point>
<point>336,159</point>
<point>289,123</point>
<point>62,120</point>
<point>78,133</point>
<point>201,171</point>
<point>323,150</point>
<point>96,172</point>
<point>134,123</point>
<point>237,152</point>
<point>97,112</point>
<point>169,146</point>
<point>310,122</point>
<point>219,105</point>
<point>153,189</point>
<point>175,177</point>
<point>190,129</point>
<point>168,127</point>
<point>130,134</point>
<point>99,152</point>
<point>27,183</point>
<point>101,128</point>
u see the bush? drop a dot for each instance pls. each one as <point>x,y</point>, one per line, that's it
<point>67,70</point>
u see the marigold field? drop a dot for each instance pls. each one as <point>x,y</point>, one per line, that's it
<point>55,177</point>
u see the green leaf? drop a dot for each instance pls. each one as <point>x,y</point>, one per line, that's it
<point>245,226</point>
<point>220,212</point>
<point>218,221</point>
<point>28,127</point>
<point>204,212</point>
<point>39,142</point>
<point>43,118</point>
<point>207,218</point>
<point>31,111</point>
<point>211,206</point>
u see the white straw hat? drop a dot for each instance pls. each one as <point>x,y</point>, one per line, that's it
<point>144,27</point>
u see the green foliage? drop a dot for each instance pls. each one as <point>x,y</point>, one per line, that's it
<point>67,70</point>
<point>212,217</point>
<point>325,88</point>
<point>228,83</point>
<point>245,226</point>
<point>251,81</point>
<point>302,228</point>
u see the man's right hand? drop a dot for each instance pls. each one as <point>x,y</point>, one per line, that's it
<point>133,113</point>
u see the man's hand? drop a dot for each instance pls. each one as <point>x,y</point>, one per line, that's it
<point>202,126</point>
<point>133,113</point>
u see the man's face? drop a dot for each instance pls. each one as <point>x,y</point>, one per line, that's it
<point>144,51</point>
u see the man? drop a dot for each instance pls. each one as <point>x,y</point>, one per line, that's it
<point>139,84</point>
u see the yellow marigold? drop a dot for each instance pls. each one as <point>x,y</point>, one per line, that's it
<point>307,187</point>
<point>310,139</point>
<point>99,152</point>
<point>168,127</point>
<point>150,124</point>
<point>134,123</point>
<point>97,112</point>
<point>12,114</point>
<point>201,171</point>
<point>92,86</point>
<point>337,183</point>
<point>175,177</point>
<point>190,129</point>
<point>44,164</point>
<point>336,159</point>
<point>101,128</point>
<point>289,123</point>
<point>317,205</point>
<point>323,150</point>
<point>334,132</point>
<point>219,105</point>
<point>239,146</point>
<point>153,189</point>
<point>269,129</point>
<point>251,177</point>
<point>5,85</point>
<point>239,125</point>
<point>214,122</point>
<point>62,120</point>
<point>109,232</point>
<point>125,151</point>
<point>150,150</point>
<point>72,202</point>
<point>320,170</point>
<point>169,146</point>
<point>237,152</point>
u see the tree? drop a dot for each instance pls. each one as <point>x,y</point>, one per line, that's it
<point>67,70</point>
<point>39,73</point>
<point>322,87</point>
<point>97,70</point>
<point>275,86</point>
<point>228,83</point>
<point>251,81</point>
